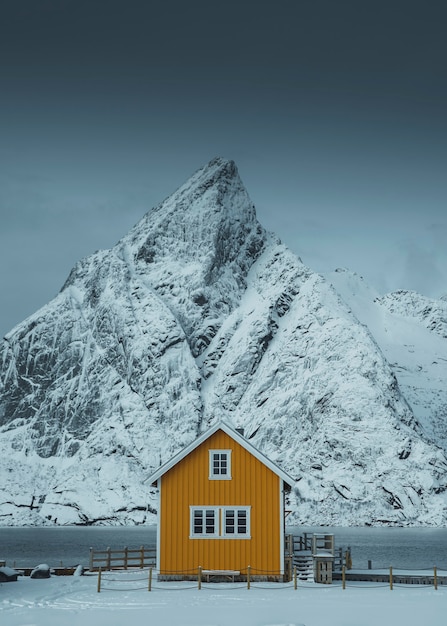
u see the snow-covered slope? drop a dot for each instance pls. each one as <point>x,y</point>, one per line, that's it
<point>199,315</point>
<point>408,327</point>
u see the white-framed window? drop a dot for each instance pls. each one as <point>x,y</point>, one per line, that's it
<point>204,522</point>
<point>227,522</point>
<point>220,465</point>
<point>236,522</point>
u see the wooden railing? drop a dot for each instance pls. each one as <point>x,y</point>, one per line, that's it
<point>304,543</point>
<point>323,544</point>
<point>109,559</point>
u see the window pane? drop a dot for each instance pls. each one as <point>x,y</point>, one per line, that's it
<point>220,464</point>
<point>209,522</point>
<point>236,522</point>
<point>242,522</point>
<point>223,464</point>
<point>229,522</point>
<point>198,522</point>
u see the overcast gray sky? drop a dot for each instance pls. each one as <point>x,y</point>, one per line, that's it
<point>334,111</point>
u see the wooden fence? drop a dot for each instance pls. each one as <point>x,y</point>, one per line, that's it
<point>109,559</point>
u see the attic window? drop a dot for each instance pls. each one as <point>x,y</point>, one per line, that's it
<point>220,464</point>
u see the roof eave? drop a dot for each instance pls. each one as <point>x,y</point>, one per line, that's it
<point>153,478</point>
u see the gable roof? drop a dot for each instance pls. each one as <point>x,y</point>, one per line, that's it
<point>240,439</point>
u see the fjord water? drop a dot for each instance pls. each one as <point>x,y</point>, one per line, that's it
<point>403,548</point>
<point>68,545</point>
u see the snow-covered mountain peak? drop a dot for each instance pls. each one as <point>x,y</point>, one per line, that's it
<point>196,248</point>
<point>204,220</point>
<point>198,314</point>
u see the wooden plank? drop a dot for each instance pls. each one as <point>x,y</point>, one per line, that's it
<point>227,573</point>
<point>122,559</point>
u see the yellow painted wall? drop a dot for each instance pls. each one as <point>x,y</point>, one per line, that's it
<point>252,484</point>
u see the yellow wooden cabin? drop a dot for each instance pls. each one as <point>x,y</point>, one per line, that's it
<point>221,509</point>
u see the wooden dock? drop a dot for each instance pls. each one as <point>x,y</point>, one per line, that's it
<point>432,577</point>
<point>307,550</point>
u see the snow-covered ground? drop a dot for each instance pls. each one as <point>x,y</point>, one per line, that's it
<point>75,600</point>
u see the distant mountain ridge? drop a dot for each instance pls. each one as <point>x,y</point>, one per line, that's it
<point>198,314</point>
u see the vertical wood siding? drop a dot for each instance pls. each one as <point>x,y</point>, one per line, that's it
<point>252,484</point>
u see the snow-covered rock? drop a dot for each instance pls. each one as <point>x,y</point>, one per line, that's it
<point>408,304</point>
<point>41,571</point>
<point>197,315</point>
<point>407,326</point>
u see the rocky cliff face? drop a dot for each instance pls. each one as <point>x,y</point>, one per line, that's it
<point>196,315</point>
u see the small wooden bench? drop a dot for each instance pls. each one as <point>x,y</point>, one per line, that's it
<point>224,573</point>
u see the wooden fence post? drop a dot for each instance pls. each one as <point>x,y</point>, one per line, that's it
<point>391,578</point>
<point>99,581</point>
<point>348,559</point>
<point>435,577</point>
<point>142,557</point>
<point>90,564</point>
<point>109,559</point>
<point>149,588</point>
<point>248,576</point>
<point>199,577</point>
<point>295,579</point>
<point>126,550</point>
<point>343,577</point>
